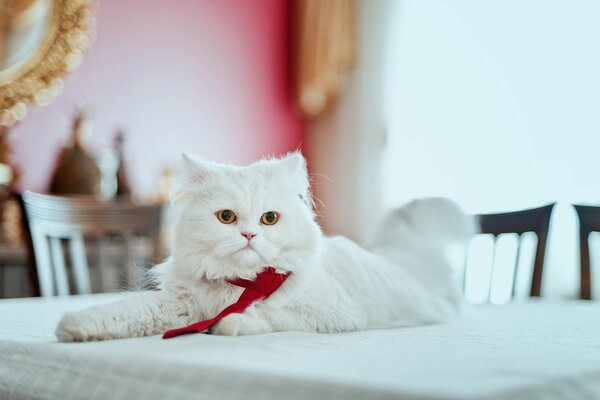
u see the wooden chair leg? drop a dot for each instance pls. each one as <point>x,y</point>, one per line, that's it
<point>536,279</point>
<point>28,241</point>
<point>584,254</point>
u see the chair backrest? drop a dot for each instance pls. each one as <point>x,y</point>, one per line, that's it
<point>589,221</point>
<point>59,223</point>
<point>536,220</point>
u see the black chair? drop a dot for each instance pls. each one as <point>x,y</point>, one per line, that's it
<point>536,220</point>
<point>589,221</point>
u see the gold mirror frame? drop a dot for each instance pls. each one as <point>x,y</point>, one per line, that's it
<point>39,80</point>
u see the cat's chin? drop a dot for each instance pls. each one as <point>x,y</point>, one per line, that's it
<point>245,250</point>
<point>246,256</point>
<point>235,272</point>
<point>245,264</point>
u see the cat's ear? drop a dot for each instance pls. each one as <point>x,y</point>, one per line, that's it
<point>195,167</point>
<point>295,165</point>
<point>191,172</point>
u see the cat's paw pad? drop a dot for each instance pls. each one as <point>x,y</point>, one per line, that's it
<point>78,327</point>
<point>237,325</point>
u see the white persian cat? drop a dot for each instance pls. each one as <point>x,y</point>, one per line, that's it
<point>231,222</point>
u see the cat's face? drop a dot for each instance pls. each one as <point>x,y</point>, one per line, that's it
<point>234,221</point>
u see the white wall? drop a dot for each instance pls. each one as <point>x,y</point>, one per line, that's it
<point>497,105</point>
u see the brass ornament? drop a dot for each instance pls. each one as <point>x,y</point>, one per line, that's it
<point>39,80</point>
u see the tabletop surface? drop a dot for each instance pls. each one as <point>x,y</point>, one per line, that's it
<point>535,349</point>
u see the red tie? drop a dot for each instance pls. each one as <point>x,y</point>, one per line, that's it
<point>265,283</point>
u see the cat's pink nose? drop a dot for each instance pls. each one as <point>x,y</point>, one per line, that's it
<point>248,235</point>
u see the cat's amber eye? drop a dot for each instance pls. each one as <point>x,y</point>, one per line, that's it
<point>270,218</point>
<point>226,216</point>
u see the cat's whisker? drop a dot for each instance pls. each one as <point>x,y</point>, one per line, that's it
<point>319,200</point>
<point>313,181</point>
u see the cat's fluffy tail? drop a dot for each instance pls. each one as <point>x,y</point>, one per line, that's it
<point>428,237</point>
<point>430,222</point>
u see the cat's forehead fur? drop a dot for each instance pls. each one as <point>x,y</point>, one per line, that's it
<point>263,181</point>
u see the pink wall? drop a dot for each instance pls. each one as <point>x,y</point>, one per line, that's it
<point>206,77</point>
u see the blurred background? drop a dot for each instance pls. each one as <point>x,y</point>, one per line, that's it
<point>493,104</point>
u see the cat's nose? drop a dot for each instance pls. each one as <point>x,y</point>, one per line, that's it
<point>248,235</point>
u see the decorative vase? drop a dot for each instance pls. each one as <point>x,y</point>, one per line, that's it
<point>76,171</point>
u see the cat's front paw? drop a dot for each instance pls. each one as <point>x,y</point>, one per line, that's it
<point>239,324</point>
<point>79,327</point>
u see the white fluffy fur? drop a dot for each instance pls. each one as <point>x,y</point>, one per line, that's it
<point>335,285</point>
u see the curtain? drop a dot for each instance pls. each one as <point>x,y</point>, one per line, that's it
<point>324,49</point>
<point>344,145</point>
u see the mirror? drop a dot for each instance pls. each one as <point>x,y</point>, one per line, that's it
<point>22,31</point>
<point>40,41</point>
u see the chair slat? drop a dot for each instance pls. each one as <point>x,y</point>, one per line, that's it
<point>80,265</point>
<point>101,248</point>
<point>130,268</point>
<point>492,268</point>
<point>60,269</point>
<point>43,261</point>
<point>516,267</point>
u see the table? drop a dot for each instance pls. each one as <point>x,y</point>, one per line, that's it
<point>538,349</point>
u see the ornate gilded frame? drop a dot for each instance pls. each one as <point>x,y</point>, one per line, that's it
<point>40,79</point>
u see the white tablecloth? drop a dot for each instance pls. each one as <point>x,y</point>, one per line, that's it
<point>533,350</point>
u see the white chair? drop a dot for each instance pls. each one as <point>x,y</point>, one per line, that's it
<point>75,226</point>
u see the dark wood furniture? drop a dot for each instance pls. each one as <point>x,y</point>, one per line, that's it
<point>589,221</point>
<point>13,255</point>
<point>69,226</point>
<point>536,220</point>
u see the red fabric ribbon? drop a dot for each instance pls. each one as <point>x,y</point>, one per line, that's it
<point>265,283</point>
